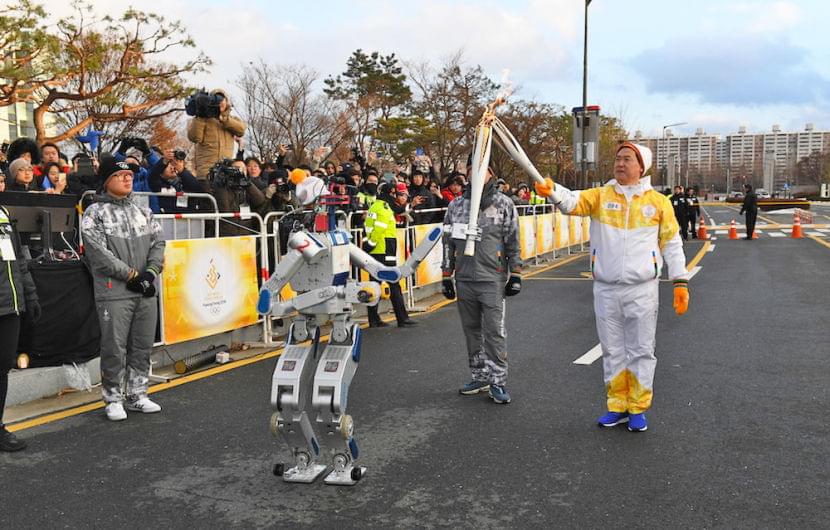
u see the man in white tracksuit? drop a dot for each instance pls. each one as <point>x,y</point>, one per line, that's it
<point>633,229</point>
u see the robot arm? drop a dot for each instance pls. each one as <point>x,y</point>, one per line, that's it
<point>394,274</point>
<point>421,252</point>
<point>304,249</point>
<point>375,269</point>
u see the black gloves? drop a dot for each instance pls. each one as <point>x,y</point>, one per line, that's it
<point>34,310</point>
<point>514,285</point>
<point>141,145</point>
<point>143,283</point>
<point>449,288</point>
<point>138,143</point>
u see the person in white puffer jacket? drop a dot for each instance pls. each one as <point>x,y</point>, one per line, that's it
<point>633,230</point>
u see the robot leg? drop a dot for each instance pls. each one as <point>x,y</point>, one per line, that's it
<point>335,371</point>
<point>290,396</point>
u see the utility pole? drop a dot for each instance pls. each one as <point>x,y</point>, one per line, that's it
<point>583,147</point>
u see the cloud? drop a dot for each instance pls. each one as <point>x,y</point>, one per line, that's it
<point>743,70</point>
<point>768,17</point>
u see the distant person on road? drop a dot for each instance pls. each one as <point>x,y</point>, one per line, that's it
<point>692,210</point>
<point>681,211</point>
<point>750,208</point>
<point>633,229</point>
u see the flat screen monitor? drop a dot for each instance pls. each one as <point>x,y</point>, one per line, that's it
<point>26,209</point>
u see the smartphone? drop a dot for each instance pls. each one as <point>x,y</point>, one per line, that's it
<point>419,151</point>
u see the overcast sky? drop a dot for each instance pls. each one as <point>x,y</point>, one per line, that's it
<point>716,64</point>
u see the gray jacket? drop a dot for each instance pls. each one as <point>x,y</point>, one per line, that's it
<point>16,286</point>
<point>118,236</point>
<point>497,252</point>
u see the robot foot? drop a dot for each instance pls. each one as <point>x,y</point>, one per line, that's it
<point>348,476</point>
<point>305,475</point>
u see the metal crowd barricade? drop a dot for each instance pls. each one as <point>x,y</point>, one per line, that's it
<point>169,234</point>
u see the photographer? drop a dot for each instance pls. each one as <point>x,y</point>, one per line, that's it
<point>133,151</point>
<point>166,177</point>
<point>212,129</point>
<point>278,194</point>
<point>235,192</point>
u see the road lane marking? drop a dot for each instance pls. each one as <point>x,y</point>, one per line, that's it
<point>590,356</point>
<point>712,248</point>
<point>777,234</point>
<point>721,232</point>
<point>694,271</point>
<point>820,241</point>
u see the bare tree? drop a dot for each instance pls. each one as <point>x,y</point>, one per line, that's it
<point>452,100</point>
<point>113,69</point>
<point>282,106</point>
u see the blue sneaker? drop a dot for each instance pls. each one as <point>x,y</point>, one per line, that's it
<point>610,419</point>
<point>499,394</point>
<point>474,387</point>
<point>637,422</point>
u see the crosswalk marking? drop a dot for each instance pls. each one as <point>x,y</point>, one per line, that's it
<point>777,234</point>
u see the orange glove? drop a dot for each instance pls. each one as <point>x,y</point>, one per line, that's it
<point>681,296</point>
<point>546,189</point>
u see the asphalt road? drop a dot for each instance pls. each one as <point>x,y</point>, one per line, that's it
<point>737,437</point>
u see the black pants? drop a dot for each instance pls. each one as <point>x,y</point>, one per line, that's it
<point>9,332</point>
<point>395,296</point>
<point>750,223</point>
<point>684,226</point>
<point>692,223</point>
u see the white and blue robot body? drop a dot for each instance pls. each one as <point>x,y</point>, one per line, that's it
<point>309,387</point>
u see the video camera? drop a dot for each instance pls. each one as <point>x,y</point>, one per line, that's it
<point>202,104</point>
<point>224,175</point>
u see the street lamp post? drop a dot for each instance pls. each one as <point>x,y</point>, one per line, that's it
<point>666,157</point>
<point>583,147</point>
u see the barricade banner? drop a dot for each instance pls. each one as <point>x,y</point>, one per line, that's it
<point>526,237</point>
<point>575,229</point>
<point>429,271</point>
<point>544,233</point>
<point>209,286</point>
<point>562,232</point>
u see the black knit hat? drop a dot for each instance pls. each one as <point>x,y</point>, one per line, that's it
<point>107,167</point>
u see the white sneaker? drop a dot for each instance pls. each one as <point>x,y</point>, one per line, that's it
<point>144,405</point>
<point>115,411</point>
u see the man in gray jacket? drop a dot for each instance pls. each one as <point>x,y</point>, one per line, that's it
<point>482,281</point>
<point>124,249</point>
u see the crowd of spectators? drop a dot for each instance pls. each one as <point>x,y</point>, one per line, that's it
<point>420,193</point>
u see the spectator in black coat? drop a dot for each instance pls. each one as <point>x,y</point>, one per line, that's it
<point>164,177</point>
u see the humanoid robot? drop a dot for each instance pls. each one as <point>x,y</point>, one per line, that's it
<point>310,388</point>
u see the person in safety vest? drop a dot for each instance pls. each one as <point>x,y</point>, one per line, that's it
<point>381,242</point>
<point>633,230</point>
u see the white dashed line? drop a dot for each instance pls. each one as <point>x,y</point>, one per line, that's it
<point>777,234</point>
<point>592,355</point>
<point>694,271</point>
<point>711,248</point>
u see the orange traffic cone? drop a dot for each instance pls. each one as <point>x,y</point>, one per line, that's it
<point>701,230</point>
<point>733,231</point>
<point>797,234</point>
<point>754,234</point>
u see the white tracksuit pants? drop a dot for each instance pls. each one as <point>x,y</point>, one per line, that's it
<point>626,324</point>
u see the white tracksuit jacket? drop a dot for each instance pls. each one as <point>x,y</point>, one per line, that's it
<point>633,230</point>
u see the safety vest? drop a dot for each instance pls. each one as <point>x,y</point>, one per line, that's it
<point>536,198</point>
<point>380,225</point>
<point>365,198</point>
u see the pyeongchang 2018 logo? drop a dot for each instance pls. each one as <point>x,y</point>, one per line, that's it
<point>213,276</point>
<point>214,300</point>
